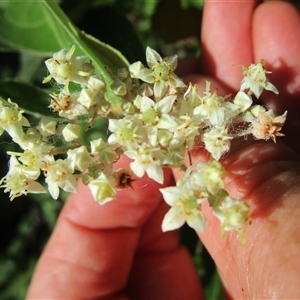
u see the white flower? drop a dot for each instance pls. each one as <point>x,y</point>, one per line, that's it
<point>46,127</point>
<point>93,93</point>
<point>67,105</point>
<point>161,72</point>
<point>214,109</point>
<point>79,158</point>
<point>65,68</point>
<point>158,113</point>
<point>251,114</point>
<point>59,175</point>
<point>185,132</point>
<point>147,159</point>
<point>206,180</point>
<point>71,132</point>
<point>213,175</point>
<point>162,106</point>
<point>176,157</point>
<point>97,83</point>
<point>191,99</point>
<point>135,68</point>
<point>34,158</point>
<point>97,146</point>
<point>106,154</point>
<point>155,116</point>
<point>185,207</point>
<point>162,137</point>
<point>12,121</point>
<point>127,132</point>
<point>31,138</point>
<point>232,214</point>
<point>255,110</point>
<point>217,141</point>
<point>157,121</point>
<point>256,80</point>
<point>20,180</point>
<point>103,189</point>
<point>243,100</point>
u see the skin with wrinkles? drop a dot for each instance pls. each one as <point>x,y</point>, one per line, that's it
<point>264,174</point>
<point>118,251</point>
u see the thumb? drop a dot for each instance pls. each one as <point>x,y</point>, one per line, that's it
<point>267,177</point>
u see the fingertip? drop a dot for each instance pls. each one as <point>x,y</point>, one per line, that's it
<point>276,33</point>
<point>90,240</point>
<point>227,39</point>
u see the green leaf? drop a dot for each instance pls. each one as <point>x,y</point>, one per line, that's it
<point>214,288</point>
<point>198,4</point>
<point>150,7</point>
<point>29,98</point>
<point>208,273</point>
<point>99,129</point>
<point>50,30</point>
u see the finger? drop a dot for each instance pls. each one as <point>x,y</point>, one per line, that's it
<point>227,39</point>
<point>266,176</point>
<point>91,252</point>
<point>159,272</point>
<point>276,33</point>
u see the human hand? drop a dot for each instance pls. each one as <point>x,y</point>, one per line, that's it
<point>119,249</point>
<point>115,251</point>
<point>263,173</point>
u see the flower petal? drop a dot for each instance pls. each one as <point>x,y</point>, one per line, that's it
<point>173,219</point>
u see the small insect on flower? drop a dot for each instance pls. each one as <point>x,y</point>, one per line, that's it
<point>123,178</point>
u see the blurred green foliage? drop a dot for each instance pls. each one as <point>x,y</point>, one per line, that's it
<point>128,26</point>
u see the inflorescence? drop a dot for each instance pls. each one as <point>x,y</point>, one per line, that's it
<point>158,121</point>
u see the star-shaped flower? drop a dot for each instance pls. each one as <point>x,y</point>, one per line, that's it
<point>20,180</point>
<point>214,109</point>
<point>12,121</point>
<point>64,67</point>
<point>256,80</point>
<point>59,175</point>
<point>103,189</point>
<point>185,207</point>
<point>268,126</point>
<point>217,141</point>
<point>161,72</point>
<point>233,215</point>
<point>149,159</point>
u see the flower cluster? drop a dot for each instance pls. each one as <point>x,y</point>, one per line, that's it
<point>161,118</point>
